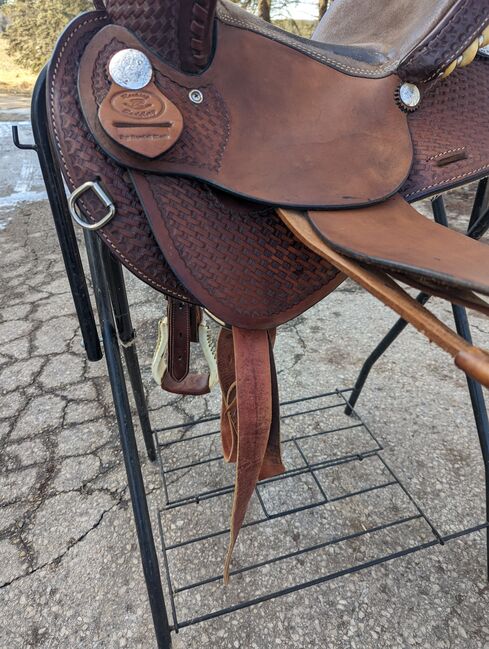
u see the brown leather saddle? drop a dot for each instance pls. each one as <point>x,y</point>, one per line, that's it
<point>239,168</point>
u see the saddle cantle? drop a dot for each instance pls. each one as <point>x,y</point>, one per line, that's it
<point>193,121</point>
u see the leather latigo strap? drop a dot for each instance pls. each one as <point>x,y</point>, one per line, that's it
<point>250,417</point>
<point>183,322</point>
<point>252,146</point>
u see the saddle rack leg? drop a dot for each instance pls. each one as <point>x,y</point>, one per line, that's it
<point>479,223</point>
<point>62,219</point>
<point>76,276</point>
<point>479,407</point>
<point>127,337</point>
<point>128,443</point>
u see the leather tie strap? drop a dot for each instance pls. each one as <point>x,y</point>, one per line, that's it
<point>250,421</point>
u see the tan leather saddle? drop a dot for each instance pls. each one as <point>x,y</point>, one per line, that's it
<point>236,167</point>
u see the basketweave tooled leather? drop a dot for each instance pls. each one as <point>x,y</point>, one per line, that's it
<point>129,235</point>
<point>416,38</point>
<point>461,26</point>
<point>452,121</point>
<point>420,182</point>
<point>446,104</point>
<point>178,32</point>
<point>236,257</point>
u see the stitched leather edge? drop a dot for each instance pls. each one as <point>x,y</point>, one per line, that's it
<point>433,49</point>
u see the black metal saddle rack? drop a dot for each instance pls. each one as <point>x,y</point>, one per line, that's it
<point>312,474</point>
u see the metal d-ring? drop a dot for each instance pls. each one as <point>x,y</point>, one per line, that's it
<point>103,197</point>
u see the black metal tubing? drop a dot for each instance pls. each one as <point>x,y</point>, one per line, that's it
<point>478,225</point>
<point>387,479</point>
<point>463,329</point>
<point>479,219</point>
<point>308,467</point>
<point>332,576</point>
<point>379,351</point>
<point>76,276</point>
<point>62,220</point>
<point>127,337</point>
<point>128,443</point>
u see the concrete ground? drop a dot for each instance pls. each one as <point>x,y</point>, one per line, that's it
<point>70,574</point>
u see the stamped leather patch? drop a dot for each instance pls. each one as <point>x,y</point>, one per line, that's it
<point>144,121</point>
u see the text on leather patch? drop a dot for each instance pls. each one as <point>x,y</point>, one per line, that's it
<point>144,121</point>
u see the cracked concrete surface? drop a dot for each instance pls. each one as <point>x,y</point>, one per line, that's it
<point>70,574</point>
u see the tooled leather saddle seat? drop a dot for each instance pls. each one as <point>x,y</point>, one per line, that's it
<point>222,159</point>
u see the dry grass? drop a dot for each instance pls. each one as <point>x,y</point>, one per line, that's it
<point>13,78</point>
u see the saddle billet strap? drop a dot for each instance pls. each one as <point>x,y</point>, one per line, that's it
<point>250,416</point>
<point>183,322</point>
<point>470,359</point>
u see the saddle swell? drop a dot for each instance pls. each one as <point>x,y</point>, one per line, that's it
<point>178,32</point>
<point>198,116</point>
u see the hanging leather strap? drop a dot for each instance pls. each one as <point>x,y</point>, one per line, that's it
<point>250,416</point>
<point>183,325</point>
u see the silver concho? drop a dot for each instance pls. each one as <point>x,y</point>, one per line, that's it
<point>410,95</point>
<point>196,96</point>
<point>131,69</point>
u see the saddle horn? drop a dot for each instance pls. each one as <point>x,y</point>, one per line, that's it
<point>180,32</point>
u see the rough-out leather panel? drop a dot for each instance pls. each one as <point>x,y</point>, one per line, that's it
<point>462,25</point>
<point>390,28</point>
<point>295,144</point>
<point>241,262</point>
<point>357,61</point>
<point>206,128</point>
<point>451,124</point>
<point>128,236</point>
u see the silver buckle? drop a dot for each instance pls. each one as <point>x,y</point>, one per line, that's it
<point>103,197</point>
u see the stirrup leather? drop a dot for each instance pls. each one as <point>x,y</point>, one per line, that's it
<point>159,367</point>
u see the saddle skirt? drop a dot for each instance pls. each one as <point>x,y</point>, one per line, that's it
<point>200,126</point>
